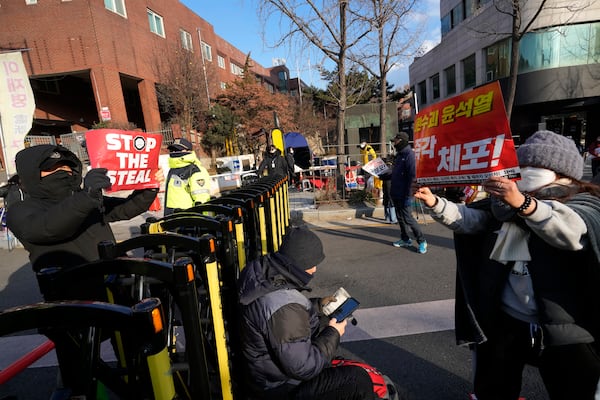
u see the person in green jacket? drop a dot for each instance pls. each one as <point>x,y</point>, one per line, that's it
<point>188,181</point>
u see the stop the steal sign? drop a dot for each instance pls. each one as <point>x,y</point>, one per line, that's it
<point>130,157</point>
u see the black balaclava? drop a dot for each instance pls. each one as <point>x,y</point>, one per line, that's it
<point>55,186</point>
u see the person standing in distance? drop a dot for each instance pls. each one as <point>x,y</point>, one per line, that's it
<point>401,193</point>
<point>188,182</point>
<point>274,163</point>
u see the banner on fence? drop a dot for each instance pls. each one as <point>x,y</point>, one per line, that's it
<point>465,140</point>
<point>130,157</point>
<point>17,106</point>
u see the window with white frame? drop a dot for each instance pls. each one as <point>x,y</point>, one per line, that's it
<point>30,2</point>
<point>156,23</point>
<point>116,6</point>
<point>206,51</point>
<point>186,40</point>
<point>221,61</point>
<point>223,85</point>
<point>236,69</point>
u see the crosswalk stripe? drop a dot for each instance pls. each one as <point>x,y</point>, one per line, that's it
<point>372,323</point>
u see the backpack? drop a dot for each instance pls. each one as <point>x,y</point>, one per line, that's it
<point>383,386</point>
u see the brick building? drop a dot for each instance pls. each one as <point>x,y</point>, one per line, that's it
<point>92,59</point>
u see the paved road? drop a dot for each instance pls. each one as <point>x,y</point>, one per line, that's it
<point>405,323</point>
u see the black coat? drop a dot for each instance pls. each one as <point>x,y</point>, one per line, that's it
<point>565,283</point>
<point>58,223</point>
<point>275,164</point>
<point>282,342</point>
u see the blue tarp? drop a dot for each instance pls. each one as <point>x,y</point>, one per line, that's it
<point>294,139</point>
<point>298,142</point>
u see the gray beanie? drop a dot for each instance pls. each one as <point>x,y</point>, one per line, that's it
<point>546,149</point>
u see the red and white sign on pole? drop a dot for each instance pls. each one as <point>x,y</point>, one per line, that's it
<point>17,106</point>
<point>465,140</point>
<point>130,157</point>
<point>105,114</point>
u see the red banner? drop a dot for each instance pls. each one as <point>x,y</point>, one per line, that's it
<point>130,157</point>
<point>465,140</point>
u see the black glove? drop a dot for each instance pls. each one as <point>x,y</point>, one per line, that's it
<point>96,180</point>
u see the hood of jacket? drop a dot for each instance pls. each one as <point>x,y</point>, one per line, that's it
<point>56,185</point>
<point>182,159</point>
<point>270,273</point>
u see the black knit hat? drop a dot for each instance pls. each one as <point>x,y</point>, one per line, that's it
<point>303,248</point>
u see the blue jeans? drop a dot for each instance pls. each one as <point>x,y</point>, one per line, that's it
<point>406,220</point>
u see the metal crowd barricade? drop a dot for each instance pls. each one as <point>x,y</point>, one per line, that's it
<point>220,283</point>
<point>77,327</point>
<point>191,367</point>
<point>81,282</point>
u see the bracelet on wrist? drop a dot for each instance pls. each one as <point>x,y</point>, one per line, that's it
<point>526,203</point>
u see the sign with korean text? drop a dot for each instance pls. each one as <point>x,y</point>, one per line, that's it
<point>17,106</point>
<point>465,140</point>
<point>377,167</point>
<point>130,157</point>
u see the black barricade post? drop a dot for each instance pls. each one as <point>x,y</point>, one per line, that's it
<point>222,272</point>
<point>250,221</point>
<point>177,250</point>
<point>63,322</point>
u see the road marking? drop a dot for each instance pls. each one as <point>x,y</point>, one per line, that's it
<point>373,323</point>
<point>401,320</point>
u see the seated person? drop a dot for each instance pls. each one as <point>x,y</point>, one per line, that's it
<point>288,355</point>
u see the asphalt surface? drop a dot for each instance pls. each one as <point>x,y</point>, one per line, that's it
<point>405,322</point>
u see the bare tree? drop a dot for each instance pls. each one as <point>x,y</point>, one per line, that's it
<point>182,92</point>
<point>388,42</point>
<point>326,26</point>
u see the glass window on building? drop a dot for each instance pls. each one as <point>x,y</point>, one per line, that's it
<point>458,15</point>
<point>470,7</point>
<point>497,60</point>
<point>469,76</point>
<point>560,47</point>
<point>422,92</point>
<point>450,76</point>
<point>116,6</point>
<point>435,86</point>
<point>446,23</point>
<point>186,40</point>
<point>156,23</point>
<point>221,61</point>
<point>206,51</point>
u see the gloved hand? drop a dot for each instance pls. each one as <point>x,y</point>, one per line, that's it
<point>96,180</point>
<point>327,300</point>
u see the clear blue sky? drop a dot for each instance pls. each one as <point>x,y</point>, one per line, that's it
<point>237,22</point>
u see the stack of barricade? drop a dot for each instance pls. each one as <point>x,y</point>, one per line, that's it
<point>186,265</point>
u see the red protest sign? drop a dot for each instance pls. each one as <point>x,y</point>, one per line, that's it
<point>465,140</point>
<point>130,157</point>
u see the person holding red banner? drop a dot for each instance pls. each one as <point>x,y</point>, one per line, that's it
<point>58,222</point>
<point>402,177</point>
<point>528,261</point>
<point>188,182</point>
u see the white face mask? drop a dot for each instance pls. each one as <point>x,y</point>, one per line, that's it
<point>533,178</point>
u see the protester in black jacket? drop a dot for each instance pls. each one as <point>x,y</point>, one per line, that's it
<point>288,354</point>
<point>274,163</point>
<point>59,223</point>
